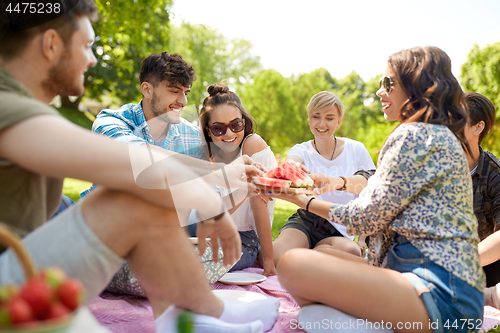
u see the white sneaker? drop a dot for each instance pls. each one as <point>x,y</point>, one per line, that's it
<point>319,318</point>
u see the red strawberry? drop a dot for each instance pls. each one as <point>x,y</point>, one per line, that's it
<point>16,311</point>
<point>54,276</point>
<point>38,295</point>
<point>71,293</point>
<point>57,310</point>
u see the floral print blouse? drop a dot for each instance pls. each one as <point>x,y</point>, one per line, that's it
<point>422,190</point>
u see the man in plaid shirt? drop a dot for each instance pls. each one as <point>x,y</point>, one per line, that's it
<point>166,80</point>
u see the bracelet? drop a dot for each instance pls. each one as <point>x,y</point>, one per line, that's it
<point>344,187</point>
<point>308,203</point>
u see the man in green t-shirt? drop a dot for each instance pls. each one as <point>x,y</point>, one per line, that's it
<point>132,214</point>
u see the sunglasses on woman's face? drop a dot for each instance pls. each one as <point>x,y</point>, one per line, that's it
<point>235,126</point>
<point>387,83</point>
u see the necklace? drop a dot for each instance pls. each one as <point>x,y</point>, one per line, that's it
<point>334,148</point>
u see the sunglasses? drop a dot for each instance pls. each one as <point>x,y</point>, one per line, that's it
<point>387,83</point>
<point>235,126</point>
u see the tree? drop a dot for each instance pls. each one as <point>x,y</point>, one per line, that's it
<point>481,74</point>
<point>268,100</point>
<point>126,33</point>
<point>215,58</point>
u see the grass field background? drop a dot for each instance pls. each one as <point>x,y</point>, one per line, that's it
<point>282,211</point>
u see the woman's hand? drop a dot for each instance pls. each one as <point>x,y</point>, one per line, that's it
<point>222,231</point>
<point>268,265</point>
<point>325,183</point>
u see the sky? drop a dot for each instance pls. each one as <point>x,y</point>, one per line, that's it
<point>296,37</point>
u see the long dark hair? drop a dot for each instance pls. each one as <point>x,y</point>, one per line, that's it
<point>434,94</point>
<point>219,94</point>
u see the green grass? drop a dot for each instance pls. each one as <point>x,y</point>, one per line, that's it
<point>282,210</point>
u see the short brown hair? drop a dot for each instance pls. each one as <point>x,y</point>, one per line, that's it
<point>480,109</point>
<point>20,28</point>
<point>167,67</point>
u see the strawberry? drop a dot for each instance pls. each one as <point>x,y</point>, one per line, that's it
<point>71,293</point>
<point>38,295</point>
<point>54,276</point>
<point>16,311</point>
<point>57,310</point>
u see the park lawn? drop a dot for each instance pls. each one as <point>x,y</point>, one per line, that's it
<point>282,211</point>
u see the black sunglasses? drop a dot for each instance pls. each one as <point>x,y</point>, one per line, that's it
<point>235,126</point>
<point>387,83</point>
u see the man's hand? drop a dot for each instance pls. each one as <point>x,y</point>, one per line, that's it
<point>223,231</point>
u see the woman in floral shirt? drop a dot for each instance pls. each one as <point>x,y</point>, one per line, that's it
<point>417,209</point>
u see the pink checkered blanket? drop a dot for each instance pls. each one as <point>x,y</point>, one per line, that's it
<point>129,314</point>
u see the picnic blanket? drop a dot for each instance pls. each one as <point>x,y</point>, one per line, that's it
<point>130,314</point>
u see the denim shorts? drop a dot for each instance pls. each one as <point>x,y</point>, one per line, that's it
<point>452,304</point>
<point>250,247</point>
<point>313,226</point>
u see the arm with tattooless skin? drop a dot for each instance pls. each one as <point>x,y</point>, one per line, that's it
<point>421,187</point>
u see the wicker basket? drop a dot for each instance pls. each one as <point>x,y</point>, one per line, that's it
<point>10,239</point>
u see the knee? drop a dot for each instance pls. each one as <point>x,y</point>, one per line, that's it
<point>353,248</point>
<point>290,265</point>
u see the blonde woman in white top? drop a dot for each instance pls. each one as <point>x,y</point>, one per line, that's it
<point>338,157</point>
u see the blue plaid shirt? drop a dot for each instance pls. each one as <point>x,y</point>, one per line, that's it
<point>127,124</point>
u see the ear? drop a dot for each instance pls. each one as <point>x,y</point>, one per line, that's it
<point>147,90</point>
<point>479,127</point>
<point>52,45</point>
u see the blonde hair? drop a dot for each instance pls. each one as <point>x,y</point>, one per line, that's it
<point>322,101</point>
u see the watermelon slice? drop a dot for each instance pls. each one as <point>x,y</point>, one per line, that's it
<point>271,182</point>
<point>291,171</point>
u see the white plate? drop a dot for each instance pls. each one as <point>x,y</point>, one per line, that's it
<point>242,279</point>
<point>238,296</point>
<point>194,240</point>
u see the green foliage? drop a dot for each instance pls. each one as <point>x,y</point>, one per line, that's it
<point>481,74</point>
<point>126,33</point>
<point>214,57</point>
<point>76,117</point>
<point>267,99</point>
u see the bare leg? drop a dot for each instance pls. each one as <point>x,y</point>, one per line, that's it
<point>342,244</point>
<point>361,290</point>
<point>157,249</point>
<point>288,239</point>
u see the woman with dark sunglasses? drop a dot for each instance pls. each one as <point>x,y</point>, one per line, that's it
<point>229,132</point>
<point>418,211</point>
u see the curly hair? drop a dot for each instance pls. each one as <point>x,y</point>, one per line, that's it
<point>18,30</point>
<point>434,94</point>
<point>167,67</point>
<point>219,94</point>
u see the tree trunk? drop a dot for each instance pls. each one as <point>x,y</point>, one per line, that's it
<point>67,103</point>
